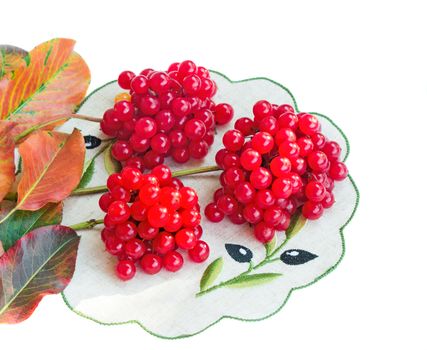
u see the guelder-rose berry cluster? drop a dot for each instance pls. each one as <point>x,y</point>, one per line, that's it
<point>150,217</point>
<point>164,114</point>
<point>273,164</point>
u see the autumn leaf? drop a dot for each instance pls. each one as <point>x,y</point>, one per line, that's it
<point>7,162</point>
<point>23,221</point>
<point>52,168</point>
<point>40,263</point>
<point>11,58</point>
<point>52,84</point>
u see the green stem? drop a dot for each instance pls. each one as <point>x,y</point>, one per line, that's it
<point>87,224</point>
<point>178,173</point>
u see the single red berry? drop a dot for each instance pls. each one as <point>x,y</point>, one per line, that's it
<point>285,135</point>
<point>139,144</point>
<point>165,120</point>
<point>282,188</point>
<point>146,231</point>
<point>139,85</point>
<point>299,165</point>
<point>104,201</point>
<point>160,143</point>
<point>332,150</point>
<point>131,178</point>
<point>285,108</point>
<point>173,261</point>
<point>262,142</point>
<point>250,159</point>
<point>306,146</point>
<point>180,107</point>
<point>289,150</point>
<point>264,198</point>
<point>195,129</point>
<point>233,176</point>
<point>237,218</point>
<point>280,166</point>
<point>125,270</point>
<point>200,252</point>
<point>318,161</point>
<point>118,212</point>
<point>113,245</point>
<point>151,263</point>
<point>198,149</point>
<point>120,194</point>
<point>206,116</point>
<point>284,222</point>
<point>227,204</point>
<point>329,200</point>
<point>138,211</point>
<point>178,139</point>
<point>244,192</point>
<point>121,150</point>
<point>174,223</point>
<point>185,238</point>
<point>158,215</point>
<point>318,139</point>
<point>181,155</point>
<point>149,194</point>
<point>149,105</point>
<point>135,162</point>
<point>106,233</point>
<point>262,109</point>
<point>245,125</point>
<point>273,215</point>
<point>312,210</point>
<point>164,242</point>
<point>123,110</point>
<point>213,214</point>
<point>264,232</point>
<point>125,79</point>
<point>126,231</point>
<point>192,84</point>
<point>159,82</point>
<point>233,140</point>
<point>260,178</point>
<point>146,127</point>
<point>230,160</point>
<point>162,173</point>
<point>190,217</point>
<point>269,124</point>
<point>189,197</point>
<point>223,113</point>
<point>338,171</point>
<point>308,124</point>
<point>135,248</point>
<point>252,213</point>
<point>186,68</point>
<point>151,159</point>
<point>288,120</point>
<point>315,191</point>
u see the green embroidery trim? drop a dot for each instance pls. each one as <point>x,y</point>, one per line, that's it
<point>328,271</point>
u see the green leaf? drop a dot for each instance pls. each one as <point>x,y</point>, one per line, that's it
<point>252,280</point>
<point>23,221</point>
<point>40,263</point>
<point>88,171</point>
<point>111,165</point>
<point>297,223</point>
<point>269,247</point>
<point>211,273</point>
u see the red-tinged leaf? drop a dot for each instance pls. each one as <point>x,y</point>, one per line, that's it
<point>52,167</point>
<point>52,84</point>
<point>20,222</point>
<point>11,58</point>
<point>40,263</point>
<point>7,162</point>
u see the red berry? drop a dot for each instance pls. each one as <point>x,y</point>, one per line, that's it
<point>146,231</point>
<point>159,82</point>
<point>126,231</point>
<point>308,124</point>
<point>306,146</point>
<point>223,113</point>
<point>121,150</point>
<point>263,232</point>
<point>131,178</point>
<point>262,142</point>
<point>198,149</point>
<point>195,129</point>
<point>173,261</point>
<point>280,166</point>
<point>120,194</point>
<point>233,140</point>
<point>125,79</point>
<point>158,215</point>
<point>319,140</point>
<point>149,105</point>
<point>118,212</point>
<point>189,197</point>
<point>338,171</point>
<point>250,159</point>
<point>260,178</point>
<point>200,252</point>
<point>146,127</point>
<point>113,245</point>
<point>139,84</point>
<point>318,161</point>
<point>332,150</point>
<point>312,210</point>
<point>104,201</point>
<point>262,109</point>
<point>191,217</point>
<point>174,223</point>
<point>162,173</point>
<point>185,238</point>
<point>244,192</point>
<point>164,242</point>
<point>252,213</point>
<point>180,107</point>
<point>227,204</point>
<point>264,199</point>
<point>191,84</point>
<point>315,191</point>
<point>149,194</point>
<point>151,263</point>
<point>273,215</point>
<point>125,270</point>
<point>289,150</point>
<point>138,211</point>
<point>288,120</point>
<point>269,124</point>
<point>233,176</point>
<point>135,248</point>
<point>213,214</point>
<point>245,126</point>
<point>282,188</point>
<point>328,201</point>
<point>285,135</point>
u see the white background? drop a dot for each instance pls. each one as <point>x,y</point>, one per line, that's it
<point>364,65</point>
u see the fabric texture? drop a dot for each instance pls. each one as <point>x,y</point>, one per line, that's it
<point>166,304</point>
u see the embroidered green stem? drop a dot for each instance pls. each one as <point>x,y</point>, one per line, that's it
<point>178,173</point>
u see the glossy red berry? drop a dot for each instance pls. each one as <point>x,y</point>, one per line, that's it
<point>189,197</point>
<point>244,192</point>
<point>158,215</point>
<point>223,113</point>
<point>151,263</point>
<point>263,232</point>
<point>195,129</point>
<point>252,213</point>
<point>185,238</point>
<point>312,210</point>
<point>139,84</point>
<point>245,125</point>
<point>213,214</point>
<point>227,204</point>
<point>280,166</point>
<point>104,201</point>
<point>164,242</point>
<point>250,159</point>
<point>338,171</point>
<point>118,212</point>
<point>315,191</point>
<point>262,109</point>
<point>125,79</point>
<point>308,124</point>
<point>125,270</point>
<point>126,231</point>
<point>162,173</point>
<point>233,140</point>
<point>146,128</point>
<point>173,261</point>
<point>318,161</point>
<point>262,142</point>
<point>131,178</point>
<point>200,252</point>
<point>159,82</point>
<point>135,248</point>
<point>121,150</point>
<point>282,188</point>
<point>260,178</point>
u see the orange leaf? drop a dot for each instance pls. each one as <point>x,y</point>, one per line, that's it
<point>54,83</point>
<point>52,167</point>
<point>11,58</point>
<point>7,163</point>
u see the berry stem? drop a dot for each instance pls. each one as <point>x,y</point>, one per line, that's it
<point>178,173</point>
<point>87,224</point>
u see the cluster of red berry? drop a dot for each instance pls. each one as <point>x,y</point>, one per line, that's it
<point>159,210</point>
<point>273,164</point>
<point>164,114</point>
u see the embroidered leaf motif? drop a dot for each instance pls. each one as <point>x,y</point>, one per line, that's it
<point>269,247</point>
<point>23,221</point>
<point>111,165</point>
<point>297,223</point>
<point>253,280</point>
<point>239,253</point>
<point>40,263</point>
<point>53,82</point>
<point>296,256</point>
<point>88,172</point>
<point>7,159</point>
<point>52,168</point>
<point>92,141</point>
<point>211,273</point>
